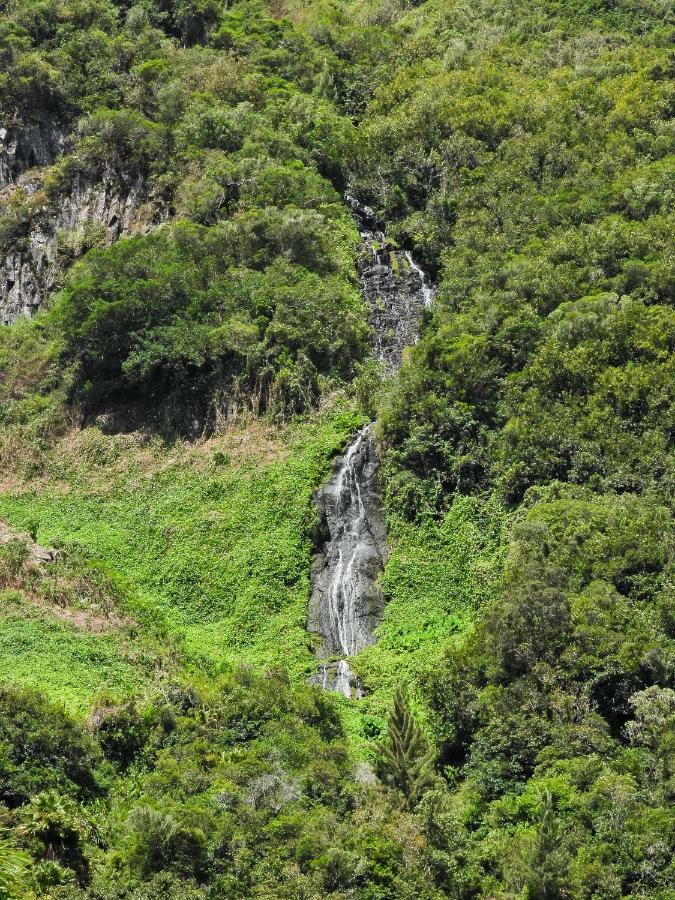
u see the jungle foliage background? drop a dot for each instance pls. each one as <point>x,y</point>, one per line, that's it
<point>167,417</point>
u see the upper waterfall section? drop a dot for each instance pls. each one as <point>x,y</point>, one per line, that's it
<point>395,288</point>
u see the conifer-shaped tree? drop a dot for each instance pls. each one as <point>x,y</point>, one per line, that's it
<point>404,760</point>
<point>548,865</point>
<point>325,86</point>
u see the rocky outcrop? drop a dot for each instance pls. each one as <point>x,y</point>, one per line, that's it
<point>28,146</point>
<point>339,677</point>
<point>395,287</point>
<point>53,232</point>
<point>92,211</point>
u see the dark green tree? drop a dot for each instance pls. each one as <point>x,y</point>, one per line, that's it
<point>54,827</point>
<point>549,860</point>
<point>193,20</point>
<point>325,86</point>
<point>404,759</point>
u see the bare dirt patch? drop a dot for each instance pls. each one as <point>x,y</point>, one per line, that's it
<point>80,619</point>
<point>36,554</point>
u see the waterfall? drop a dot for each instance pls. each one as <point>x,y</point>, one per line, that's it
<point>395,287</point>
<point>354,547</point>
<point>346,603</point>
<point>426,288</point>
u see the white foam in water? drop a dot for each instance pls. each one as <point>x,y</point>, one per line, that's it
<point>427,288</point>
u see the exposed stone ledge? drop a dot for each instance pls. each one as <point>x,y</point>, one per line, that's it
<point>32,269</point>
<point>28,146</point>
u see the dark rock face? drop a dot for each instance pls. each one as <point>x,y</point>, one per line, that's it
<point>395,287</point>
<point>107,208</point>
<point>346,603</point>
<point>23,148</point>
<point>94,209</point>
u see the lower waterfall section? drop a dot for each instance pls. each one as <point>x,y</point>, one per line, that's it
<point>339,677</point>
<point>346,604</point>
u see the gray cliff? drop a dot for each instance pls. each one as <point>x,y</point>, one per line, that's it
<point>27,147</point>
<point>395,287</point>
<point>93,209</point>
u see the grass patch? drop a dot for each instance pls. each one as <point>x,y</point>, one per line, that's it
<point>436,578</point>
<point>68,666</point>
<point>209,545</point>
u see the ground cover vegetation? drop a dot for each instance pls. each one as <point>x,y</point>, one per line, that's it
<point>166,418</point>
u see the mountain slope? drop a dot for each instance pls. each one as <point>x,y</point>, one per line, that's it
<point>188,351</point>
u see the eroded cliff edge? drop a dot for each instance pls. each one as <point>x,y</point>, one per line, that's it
<point>45,227</point>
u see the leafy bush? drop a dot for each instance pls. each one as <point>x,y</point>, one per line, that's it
<point>42,748</point>
<point>14,867</point>
<point>176,313</point>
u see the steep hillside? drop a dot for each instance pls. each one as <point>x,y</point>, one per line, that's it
<point>218,226</point>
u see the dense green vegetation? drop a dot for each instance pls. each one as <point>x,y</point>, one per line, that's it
<point>165,422</point>
<point>207,546</point>
<point>247,788</point>
<point>166,315</point>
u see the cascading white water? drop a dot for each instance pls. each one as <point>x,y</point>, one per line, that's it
<point>426,287</point>
<point>396,287</point>
<point>346,604</point>
<point>374,238</point>
<point>355,546</point>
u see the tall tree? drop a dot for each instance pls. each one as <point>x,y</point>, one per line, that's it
<point>325,86</point>
<point>548,865</point>
<point>404,760</point>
